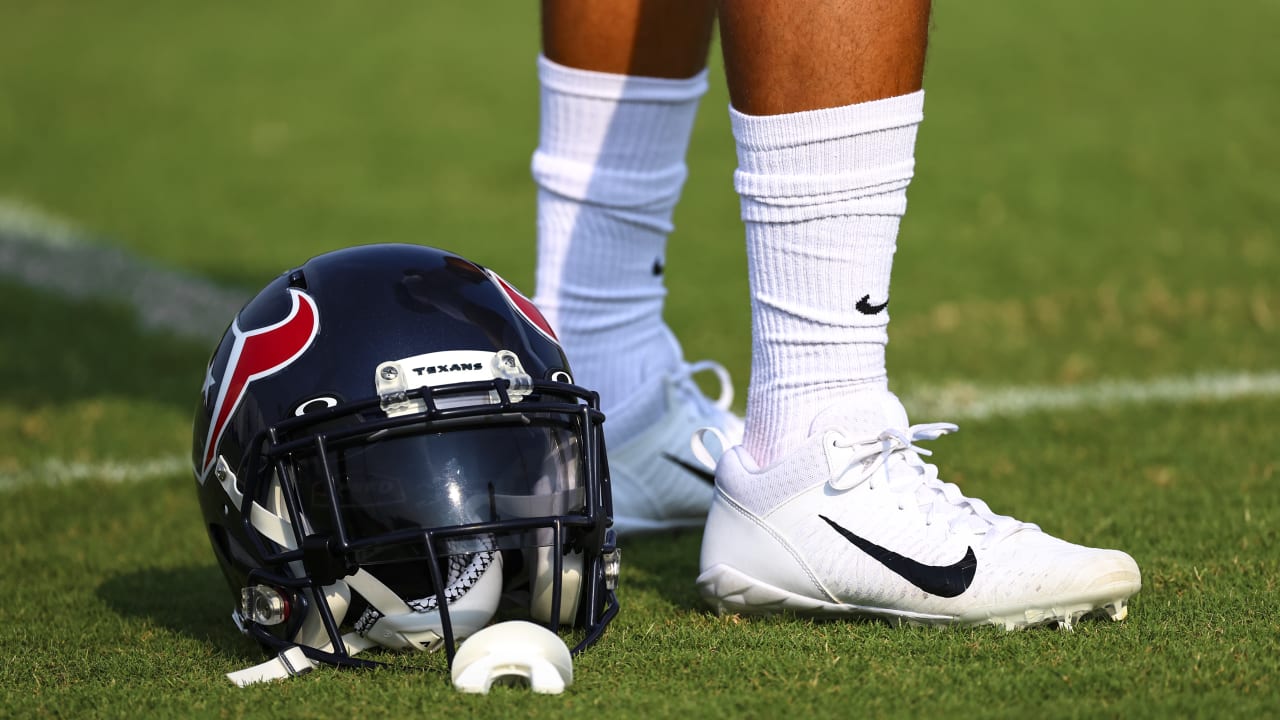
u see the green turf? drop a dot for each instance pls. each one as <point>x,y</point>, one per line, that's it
<point>1097,196</point>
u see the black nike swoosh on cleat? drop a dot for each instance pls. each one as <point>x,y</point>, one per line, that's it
<point>946,581</point>
<point>698,471</point>
<point>865,307</point>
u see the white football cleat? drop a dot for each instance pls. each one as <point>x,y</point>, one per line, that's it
<point>658,484</point>
<point>877,533</point>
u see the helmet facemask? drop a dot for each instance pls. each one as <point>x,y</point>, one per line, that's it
<point>416,529</point>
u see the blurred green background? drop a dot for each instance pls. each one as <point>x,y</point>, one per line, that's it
<point>1097,197</point>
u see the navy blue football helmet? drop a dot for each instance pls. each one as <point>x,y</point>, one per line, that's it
<point>389,450</point>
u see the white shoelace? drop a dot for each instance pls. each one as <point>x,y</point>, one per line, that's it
<point>894,458</point>
<point>717,413</point>
<point>682,378</point>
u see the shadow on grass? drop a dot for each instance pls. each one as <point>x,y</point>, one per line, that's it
<point>191,601</point>
<point>194,601</point>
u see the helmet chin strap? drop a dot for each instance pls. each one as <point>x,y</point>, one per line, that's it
<point>472,593</point>
<point>473,590</point>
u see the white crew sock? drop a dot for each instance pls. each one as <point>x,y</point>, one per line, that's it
<point>822,194</point>
<point>609,168</point>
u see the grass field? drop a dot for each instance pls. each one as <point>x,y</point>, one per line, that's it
<point>1096,202</point>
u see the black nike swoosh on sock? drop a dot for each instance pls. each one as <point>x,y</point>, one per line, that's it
<point>946,581</point>
<point>697,471</point>
<point>865,307</point>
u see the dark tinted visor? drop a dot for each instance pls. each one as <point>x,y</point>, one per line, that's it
<point>518,466</point>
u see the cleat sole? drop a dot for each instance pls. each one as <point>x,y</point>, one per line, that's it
<point>731,592</point>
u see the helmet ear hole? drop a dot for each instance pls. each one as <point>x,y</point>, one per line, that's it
<point>542,585</point>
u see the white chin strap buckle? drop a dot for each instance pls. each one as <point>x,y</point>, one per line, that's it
<point>290,662</point>
<point>513,653</point>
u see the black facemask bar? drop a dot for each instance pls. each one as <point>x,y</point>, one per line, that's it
<point>328,558</point>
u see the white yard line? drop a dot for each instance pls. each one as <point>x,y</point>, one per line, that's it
<point>47,253</point>
<point>54,472</point>
<point>979,403</point>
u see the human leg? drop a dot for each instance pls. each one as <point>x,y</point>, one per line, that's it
<point>640,38</point>
<point>827,98</point>
<point>621,83</point>
<point>828,507</point>
<point>792,56</point>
